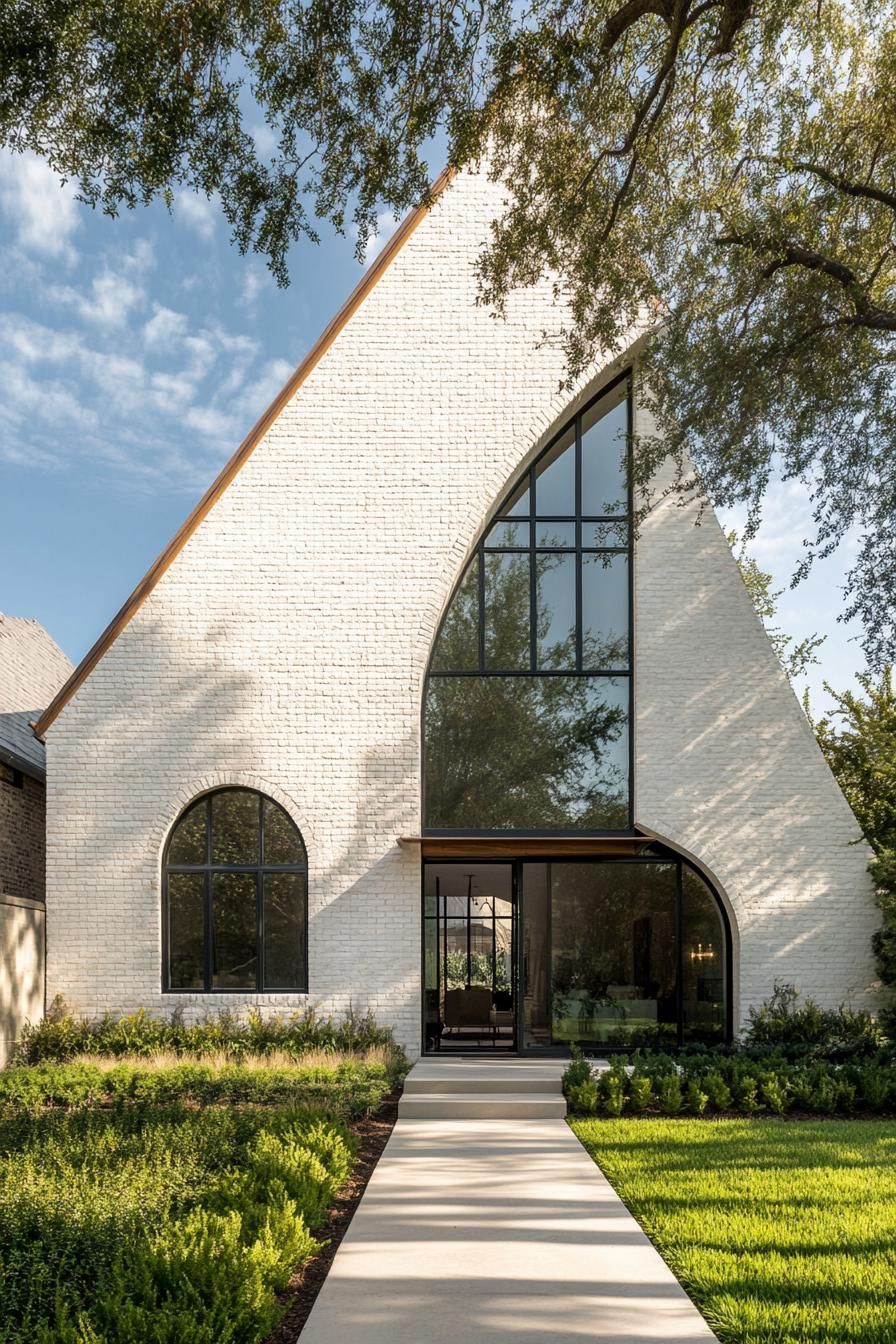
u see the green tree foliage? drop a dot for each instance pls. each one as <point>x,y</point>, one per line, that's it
<point>795,657</point>
<point>858,738</point>
<point>719,174</point>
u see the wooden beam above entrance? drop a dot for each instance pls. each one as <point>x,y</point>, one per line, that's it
<point>525,846</point>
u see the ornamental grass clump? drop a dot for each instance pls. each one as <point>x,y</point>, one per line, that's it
<point>60,1036</point>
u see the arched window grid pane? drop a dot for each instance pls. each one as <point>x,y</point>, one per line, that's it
<point>257,871</point>
<point>599,641</point>
<point>509,534</point>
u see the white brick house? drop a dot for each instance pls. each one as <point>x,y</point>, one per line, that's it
<point>622,838</point>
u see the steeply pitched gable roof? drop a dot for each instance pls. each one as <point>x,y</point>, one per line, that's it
<point>220,484</point>
<point>32,668</point>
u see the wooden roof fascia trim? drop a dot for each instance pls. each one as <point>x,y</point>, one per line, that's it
<point>229,471</point>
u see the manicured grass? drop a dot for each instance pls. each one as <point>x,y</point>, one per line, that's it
<point>783,1232</point>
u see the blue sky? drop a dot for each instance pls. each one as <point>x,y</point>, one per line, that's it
<point>136,352</point>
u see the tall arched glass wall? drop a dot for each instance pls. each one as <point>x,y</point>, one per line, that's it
<point>527,705</point>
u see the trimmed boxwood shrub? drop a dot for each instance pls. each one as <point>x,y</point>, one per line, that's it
<point>708,1082</point>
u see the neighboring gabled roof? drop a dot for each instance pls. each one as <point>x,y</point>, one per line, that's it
<point>220,484</point>
<point>19,747</point>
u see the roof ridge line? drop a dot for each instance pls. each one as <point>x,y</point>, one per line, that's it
<point>235,462</point>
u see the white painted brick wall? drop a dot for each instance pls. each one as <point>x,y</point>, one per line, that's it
<point>286,649</point>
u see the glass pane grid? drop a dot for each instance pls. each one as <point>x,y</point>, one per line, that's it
<point>559,538</point>
<point>251,936</point>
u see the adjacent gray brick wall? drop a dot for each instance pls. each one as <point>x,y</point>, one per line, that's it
<point>286,648</point>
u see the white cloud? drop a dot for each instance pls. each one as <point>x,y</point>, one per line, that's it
<point>165,327</point>
<point>266,140</point>
<point>210,422</point>
<point>44,212</point>
<point>108,303</point>
<point>199,212</point>
<point>259,394</point>
<point>386,225</point>
<point>25,399</point>
<point>254,281</point>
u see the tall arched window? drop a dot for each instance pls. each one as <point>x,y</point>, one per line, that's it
<point>235,897</point>
<point>528,698</point>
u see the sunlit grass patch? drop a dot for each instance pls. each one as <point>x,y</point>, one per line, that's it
<point>782,1232</point>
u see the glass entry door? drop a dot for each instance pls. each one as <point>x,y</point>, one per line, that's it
<point>470,942</point>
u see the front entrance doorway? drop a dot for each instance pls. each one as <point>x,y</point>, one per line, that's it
<point>470,974</point>
<point>610,953</point>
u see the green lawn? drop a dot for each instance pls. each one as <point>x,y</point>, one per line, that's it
<point>783,1232</point>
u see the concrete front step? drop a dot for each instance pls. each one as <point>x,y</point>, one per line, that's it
<point>470,1081</point>
<point>457,1105</point>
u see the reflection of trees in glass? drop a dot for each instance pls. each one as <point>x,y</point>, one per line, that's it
<point>524,751</point>
<point>517,752</point>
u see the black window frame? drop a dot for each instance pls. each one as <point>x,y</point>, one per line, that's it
<point>208,870</point>
<point>658,853</point>
<point>525,482</point>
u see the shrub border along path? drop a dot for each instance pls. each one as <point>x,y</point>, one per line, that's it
<point>299,1297</point>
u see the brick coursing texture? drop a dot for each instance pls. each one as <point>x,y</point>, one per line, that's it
<point>32,668</point>
<point>22,854</point>
<point>286,649</point>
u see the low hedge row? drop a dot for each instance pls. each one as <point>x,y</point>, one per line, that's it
<point>159,1225</point>
<point>717,1083</point>
<point>61,1036</point>
<point>349,1091</point>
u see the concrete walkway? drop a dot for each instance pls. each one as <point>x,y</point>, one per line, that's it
<point>475,1231</point>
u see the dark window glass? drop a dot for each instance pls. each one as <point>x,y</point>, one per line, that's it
<point>613,953</point>
<point>457,646</point>
<point>282,842</point>
<point>188,839</point>
<point>703,961</point>
<point>555,479</point>
<point>215,916</point>
<point>560,535</point>
<point>527,752</point>
<point>508,534</point>
<point>605,534</point>
<point>556,608</point>
<point>186,930</point>
<point>507,612</point>
<point>236,834</point>
<point>604,611</point>
<point>234,931</point>
<point>604,455</point>
<point>517,503</point>
<point>539,599</point>
<point>284,930</point>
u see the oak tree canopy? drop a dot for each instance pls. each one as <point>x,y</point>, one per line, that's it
<point>725,168</point>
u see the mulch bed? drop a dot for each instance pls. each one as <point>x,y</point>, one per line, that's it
<point>304,1287</point>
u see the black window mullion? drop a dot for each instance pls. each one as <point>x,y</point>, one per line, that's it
<point>679,956</point>
<point>259,901</point>
<point>259,930</point>
<point>208,924</point>
<point>578,471</point>
<point>208,931</point>
<point>480,584</point>
<point>533,578</point>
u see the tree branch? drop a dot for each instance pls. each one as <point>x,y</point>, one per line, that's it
<point>867,313</point>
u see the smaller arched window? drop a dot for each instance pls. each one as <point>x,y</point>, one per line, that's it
<point>235,897</point>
